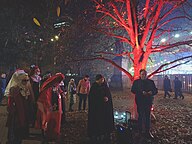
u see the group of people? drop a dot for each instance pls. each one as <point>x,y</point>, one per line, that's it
<point>177,87</point>
<point>40,102</point>
<point>81,90</point>
<point>34,102</point>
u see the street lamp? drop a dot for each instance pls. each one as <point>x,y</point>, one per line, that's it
<point>177,35</point>
<point>56,37</point>
<point>163,40</point>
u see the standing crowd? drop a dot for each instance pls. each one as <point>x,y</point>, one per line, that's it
<point>40,102</point>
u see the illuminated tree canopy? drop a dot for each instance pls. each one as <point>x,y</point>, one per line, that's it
<point>140,25</point>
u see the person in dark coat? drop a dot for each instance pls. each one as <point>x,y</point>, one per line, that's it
<point>100,111</point>
<point>3,83</point>
<point>167,86</point>
<point>35,83</point>
<point>144,90</point>
<point>177,87</point>
<point>35,80</point>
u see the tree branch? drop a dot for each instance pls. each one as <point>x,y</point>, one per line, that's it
<point>120,18</point>
<point>123,39</point>
<point>154,17</point>
<point>166,47</point>
<point>121,54</point>
<point>109,61</point>
<point>146,8</point>
<point>159,70</point>
<point>130,21</point>
<point>174,18</point>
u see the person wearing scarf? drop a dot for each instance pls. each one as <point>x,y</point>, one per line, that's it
<point>20,95</point>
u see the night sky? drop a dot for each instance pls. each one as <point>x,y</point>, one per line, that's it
<point>20,13</point>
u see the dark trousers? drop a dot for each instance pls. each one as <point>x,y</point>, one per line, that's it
<point>63,109</point>
<point>71,102</point>
<point>167,93</point>
<point>178,92</point>
<point>13,138</point>
<point>16,135</point>
<point>1,97</point>
<point>82,98</point>
<point>144,117</point>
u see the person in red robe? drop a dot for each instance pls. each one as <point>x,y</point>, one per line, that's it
<point>49,108</point>
<point>20,97</point>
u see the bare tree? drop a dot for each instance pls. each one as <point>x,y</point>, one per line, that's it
<point>141,24</point>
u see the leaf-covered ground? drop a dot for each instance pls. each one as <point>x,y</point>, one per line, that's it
<point>173,120</point>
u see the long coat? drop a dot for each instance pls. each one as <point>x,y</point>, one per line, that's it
<point>19,111</point>
<point>47,114</point>
<point>100,113</point>
<point>167,84</point>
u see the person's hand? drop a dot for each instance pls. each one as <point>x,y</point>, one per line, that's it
<point>144,93</point>
<point>11,107</point>
<point>150,93</point>
<point>54,107</point>
<point>64,97</point>
<point>106,99</point>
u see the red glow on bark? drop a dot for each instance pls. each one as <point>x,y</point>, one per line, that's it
<point>141,28</point>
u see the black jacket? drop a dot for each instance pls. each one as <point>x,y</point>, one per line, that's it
<point>139,86</point>
<point>167,84</point>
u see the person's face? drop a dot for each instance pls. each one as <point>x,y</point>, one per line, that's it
<point>86,78</point>
<point>143,75</point>
<point>25,81</point>
<point>101,80</point>
<point>37,71</point>
<point>3,75</point>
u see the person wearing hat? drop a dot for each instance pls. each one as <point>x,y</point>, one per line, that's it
<point>100,111</point>
<point>20,95</point>
<point>49,111</point>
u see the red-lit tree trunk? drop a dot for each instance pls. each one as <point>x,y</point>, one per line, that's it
<point>141,24</point>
